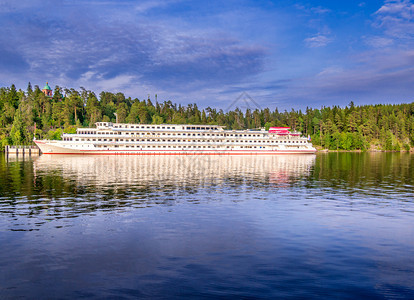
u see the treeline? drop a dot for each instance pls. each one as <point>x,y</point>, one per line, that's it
<point>25,114</point>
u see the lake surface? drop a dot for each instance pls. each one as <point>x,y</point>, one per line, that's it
<point>331,225</point>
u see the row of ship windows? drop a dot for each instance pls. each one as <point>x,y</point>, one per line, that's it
<point>170,134</point>
<point>199,141</point>
<point>164,127</point>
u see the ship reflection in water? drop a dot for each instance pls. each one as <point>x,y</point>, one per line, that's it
<point>183,171</point>
<point>68,186</point>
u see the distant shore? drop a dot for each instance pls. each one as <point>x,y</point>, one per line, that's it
<point>369,150</point>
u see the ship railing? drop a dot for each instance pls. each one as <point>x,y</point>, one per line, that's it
<point>22,147</point>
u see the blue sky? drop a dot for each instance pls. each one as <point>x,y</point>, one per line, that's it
<point>285,54</point>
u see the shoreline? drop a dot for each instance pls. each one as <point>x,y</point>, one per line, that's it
<point>360,151</point>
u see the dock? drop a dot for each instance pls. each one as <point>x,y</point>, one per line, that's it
<point>22,150</point>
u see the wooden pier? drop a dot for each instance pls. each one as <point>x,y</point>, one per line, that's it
<point>22,150</point>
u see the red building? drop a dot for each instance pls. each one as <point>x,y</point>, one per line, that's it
<point>47,90</point>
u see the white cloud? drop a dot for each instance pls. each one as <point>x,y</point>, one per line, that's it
<point>396,18</point>
<point>145,6</point>
<point>329,71</point>
<point>318,40</point>
<point>317,10</point>
<point>400,8</point>
<point>320,10</point>
<point>378,41</point>
<point>118,82</point>
<point>87,76</point>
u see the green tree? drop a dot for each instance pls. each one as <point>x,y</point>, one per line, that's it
<point>93,110</point>
<point>157,119</point>
<point>122,111</point>
<point>19,133</point>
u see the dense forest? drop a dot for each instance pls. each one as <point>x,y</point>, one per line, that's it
<point>25,114</point>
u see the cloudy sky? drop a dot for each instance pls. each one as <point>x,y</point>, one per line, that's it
<point>286,54</point>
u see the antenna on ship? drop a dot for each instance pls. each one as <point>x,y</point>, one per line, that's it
<point>116,115</point>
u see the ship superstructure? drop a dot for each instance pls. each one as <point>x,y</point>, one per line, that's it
<point>140,139</point>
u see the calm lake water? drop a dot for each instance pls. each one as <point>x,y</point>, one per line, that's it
<point>333,225</point>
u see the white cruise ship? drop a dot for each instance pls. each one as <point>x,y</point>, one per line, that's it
<point>169,139</point>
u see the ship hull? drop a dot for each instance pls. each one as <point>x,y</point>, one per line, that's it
<point>54,147</point>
